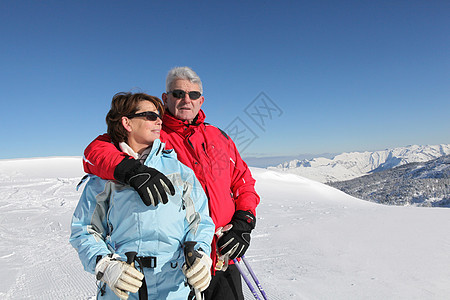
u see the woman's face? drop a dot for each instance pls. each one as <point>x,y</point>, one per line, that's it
<point>141,131</point>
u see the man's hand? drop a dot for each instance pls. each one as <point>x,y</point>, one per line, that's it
<point>119,276</point>
<point>236,240</point>
<point>151,185</point>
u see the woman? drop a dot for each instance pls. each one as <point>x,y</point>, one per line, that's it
<point>113,230</point>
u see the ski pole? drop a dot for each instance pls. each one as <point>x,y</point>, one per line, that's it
<point>249,284</point>
<point>263,293</point>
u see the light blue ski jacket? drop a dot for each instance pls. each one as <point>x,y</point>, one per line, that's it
<point>111,218</point>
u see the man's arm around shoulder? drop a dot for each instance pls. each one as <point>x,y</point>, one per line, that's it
<point>101,157</point>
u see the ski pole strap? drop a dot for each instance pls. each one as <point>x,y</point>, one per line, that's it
<point>147,261</point>
<point>133,258</point>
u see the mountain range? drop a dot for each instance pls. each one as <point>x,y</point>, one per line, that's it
<point>347,166</point>
<point>419,184</point>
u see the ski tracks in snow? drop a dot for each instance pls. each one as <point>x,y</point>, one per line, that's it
<point>35,232</point>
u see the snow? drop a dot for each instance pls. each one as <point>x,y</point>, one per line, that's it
<point>311,240</point>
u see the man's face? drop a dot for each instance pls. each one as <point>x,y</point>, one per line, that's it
<point>183,108</point>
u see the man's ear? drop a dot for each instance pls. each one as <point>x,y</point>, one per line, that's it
<point>126,124</point>
<point>164,98</point>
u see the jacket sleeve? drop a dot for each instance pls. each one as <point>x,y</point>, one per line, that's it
<point>101,157</point>
<point>89,226</point>
<point>242,183</point>
<point>203,230</point>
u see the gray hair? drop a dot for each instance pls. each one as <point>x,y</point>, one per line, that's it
<point>185,73</point>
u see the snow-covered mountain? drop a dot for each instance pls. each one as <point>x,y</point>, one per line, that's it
<point>421,184</point>
<point>311,241</point>
<point>351,165</point>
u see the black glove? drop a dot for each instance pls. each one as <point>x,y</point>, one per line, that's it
<point>150,184</point>
<point>236,241</point>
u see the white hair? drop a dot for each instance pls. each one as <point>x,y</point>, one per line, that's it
<point>185,73</point>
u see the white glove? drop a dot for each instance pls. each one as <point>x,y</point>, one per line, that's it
<point>119,276</point>
<point>199,274</point>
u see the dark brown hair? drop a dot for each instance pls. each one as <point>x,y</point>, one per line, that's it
<point>124,104</point>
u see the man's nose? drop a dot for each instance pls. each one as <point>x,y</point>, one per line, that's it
<point>186,97</point>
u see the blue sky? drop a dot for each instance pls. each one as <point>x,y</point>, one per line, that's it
<point>282,77</point>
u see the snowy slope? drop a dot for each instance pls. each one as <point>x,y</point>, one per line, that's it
<point>311,241</point>
<point>347,166</point>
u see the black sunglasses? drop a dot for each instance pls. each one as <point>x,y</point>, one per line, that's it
<point>194,95</point>
<point>150,115</point>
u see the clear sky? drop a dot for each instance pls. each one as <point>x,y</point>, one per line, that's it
<point>281,77</point>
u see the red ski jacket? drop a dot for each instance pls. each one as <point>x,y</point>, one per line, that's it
<point>207,150</point>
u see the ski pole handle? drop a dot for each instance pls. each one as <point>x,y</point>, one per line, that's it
<point>130,257</point>
<point>190,255</point>
<point>222,260</point>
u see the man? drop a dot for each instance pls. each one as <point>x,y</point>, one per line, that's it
<point>212,155</point>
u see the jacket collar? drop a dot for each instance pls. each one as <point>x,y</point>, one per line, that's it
<point>151,152</point>
<point>175,124</point>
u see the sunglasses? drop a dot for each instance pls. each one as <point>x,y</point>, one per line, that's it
<point>181,94</point>
<point>149,115</point>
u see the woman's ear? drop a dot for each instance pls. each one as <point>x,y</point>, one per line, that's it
<point>126,124</point>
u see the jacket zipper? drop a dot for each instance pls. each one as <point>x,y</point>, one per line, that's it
<point>204,149</point>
